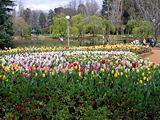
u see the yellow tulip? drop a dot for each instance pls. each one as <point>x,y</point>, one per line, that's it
<point>126,76</point>
<point>149,72</point>
<point>4,77</point>
<point>125,71</point>
<point>55,68</point>
<point>7,69</point>
<point>53,73</point>
<point>36,74</point>
<point>103,70</point>
<point>72,68</point>
<point>2,64</point>
<point>43,75</point>
<point>76,67</point>
<point>23,70</point>
<point>45,71</point>
<point>115,75</point>
<point>141,65</point>
<point>12,72</point>
<point>144,78</point>
<point>154,67</point>
<point>112,72</point>
<point>120,68</point>
<point>66,68</point>
<point>141,81</point>
<point>92,73</point>
<point>44,68</point>
<point>80,74</point>
<point>34,68</point>
<point>111,64</point>
<point>143,74</point>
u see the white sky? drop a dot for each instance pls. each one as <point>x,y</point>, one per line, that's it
<point>45,5</point>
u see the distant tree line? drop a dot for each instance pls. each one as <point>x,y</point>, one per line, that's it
<point>79,26</point>
<point>136,17</point>
<point>26,20</point>
<point>123,12</point>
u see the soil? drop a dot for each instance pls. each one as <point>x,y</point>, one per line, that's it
<point>153,56</point>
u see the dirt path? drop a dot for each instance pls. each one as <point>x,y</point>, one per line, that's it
<point>153,56</point>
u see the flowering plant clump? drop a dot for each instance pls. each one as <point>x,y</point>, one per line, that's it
<point>121,47</point>
<point>84,84</point>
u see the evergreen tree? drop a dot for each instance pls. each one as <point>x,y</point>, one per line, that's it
<point>106,8</point>
<point>6,30</point>
<point>51,14</point>
<point>42,20</point>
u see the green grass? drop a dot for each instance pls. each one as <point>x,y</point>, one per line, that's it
<point>48,40</point>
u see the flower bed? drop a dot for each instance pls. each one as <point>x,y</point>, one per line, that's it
<point>78,85</point>
<point>133,48</point>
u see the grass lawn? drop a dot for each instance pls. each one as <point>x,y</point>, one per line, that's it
<point>48,40</point>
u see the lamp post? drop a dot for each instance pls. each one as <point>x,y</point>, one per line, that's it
<point>68,18</point>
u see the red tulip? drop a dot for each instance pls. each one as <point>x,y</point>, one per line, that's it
<point>103,61</point>
<point>25,100</point>
<point>82,69</point>
<point>33,118</point>
<point>30,70</point>
<point>69,65</point>
<point>18,108</point>
<point>134,64</point>
<point>27,76</point>
<point>75,64</point>
<point>23,109</point>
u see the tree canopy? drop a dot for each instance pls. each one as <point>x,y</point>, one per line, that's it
<point>59,25</point>
<point>6,30</point>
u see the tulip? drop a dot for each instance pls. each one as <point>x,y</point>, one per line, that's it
<point>141,81</point>
<point>18,108</point>
<point>103,61</point>
<point>43,75</point>
<point>25,100</point>
<point>36,74</point>
<point>27,76</point>
<point>80,74</point>
<point>82,69</point>
<point>134,64</point>
<point>115,75</point>
<point>12,72</point>
<point>30,70</point>
<point>53,73</point>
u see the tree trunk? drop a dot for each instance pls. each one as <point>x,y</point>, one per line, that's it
<point>117,31</point>
<point>156,34</point>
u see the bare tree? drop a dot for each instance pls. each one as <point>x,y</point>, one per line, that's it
<point>73,5</point>
<point>131,8</point>
<point>71,8</point>
<point>59,10</point>
<point>150,10</point>
<point>91,7</point>
<point>116,14</point>
<point>20,8</point>
<point>82,10</point>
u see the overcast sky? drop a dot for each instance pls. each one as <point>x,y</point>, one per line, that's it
<point>45,5</point>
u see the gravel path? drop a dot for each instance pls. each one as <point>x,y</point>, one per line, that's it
<point>153,56</point>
